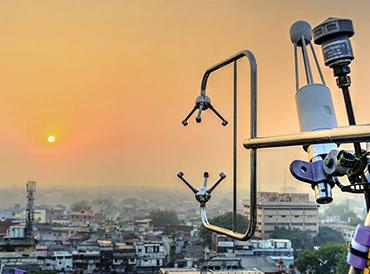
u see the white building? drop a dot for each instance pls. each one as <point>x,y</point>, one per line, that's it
<point>142,226</point>
<point>275,249</point>
<point>63,260</point>
<point>289,210</point>
<point>150,254</point>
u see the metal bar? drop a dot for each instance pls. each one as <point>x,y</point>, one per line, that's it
<point>351,116</point>
<point>241,54</point>
<point>235,141</point>
<point>185,121</point>
<point>181,176</point>
<point>317,64</point>
<point>224,122</point>
<point>306,62</point>
<point>348,134</point>
<point>198,119</point>
<point>222,177</point>
<point>253,153</point>
<point>296,68</point>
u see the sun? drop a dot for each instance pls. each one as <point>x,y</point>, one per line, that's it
<point>51,139</point>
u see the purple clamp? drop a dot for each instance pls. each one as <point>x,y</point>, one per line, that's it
<point>309,172</point>
<point>356,261</point>
<point>359,248</point>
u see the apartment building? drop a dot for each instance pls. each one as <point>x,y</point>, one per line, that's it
<point>289,210</point>
<point>151,255</point>
<point>274,249</point>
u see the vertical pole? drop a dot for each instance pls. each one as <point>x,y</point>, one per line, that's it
<point>235,140</point>
<point>317,64</point>
<point>296,68</point>
<point>352,122</point>
<point>350,115</point>
<point>306,62</point>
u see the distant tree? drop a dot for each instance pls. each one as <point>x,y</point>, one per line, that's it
<point>301,240</point>
<point>355,220</point>
<point>328,235</point>
<point>341,265</point>
<point>162,218</point>
<point>80,205</point>
<point>344,213</point>
<point>224,220</point>
<point>307,261</point>
<point>327,259</point>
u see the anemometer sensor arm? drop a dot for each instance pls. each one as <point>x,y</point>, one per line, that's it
<point>203,194</point>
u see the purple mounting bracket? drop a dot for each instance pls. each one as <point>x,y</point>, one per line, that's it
<point>308,172</point>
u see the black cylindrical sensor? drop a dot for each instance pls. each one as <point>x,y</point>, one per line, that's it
<point>333,35</point>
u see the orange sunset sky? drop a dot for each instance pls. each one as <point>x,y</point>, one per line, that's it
<point>112,80</point>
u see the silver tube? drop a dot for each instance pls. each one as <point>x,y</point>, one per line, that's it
<point>296,68</point>
<point>235,145</point>
<point>347,134</point>
<point>317,64</point>
<point>306,61</point>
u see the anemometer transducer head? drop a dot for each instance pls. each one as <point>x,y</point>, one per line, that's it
<point>333,35</point>
<point>320,135</point>
<point>203,102</point>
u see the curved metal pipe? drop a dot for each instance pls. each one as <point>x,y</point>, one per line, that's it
<point>253,153</point>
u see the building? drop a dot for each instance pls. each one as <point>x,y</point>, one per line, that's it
<point>151,256</point>
<point>124,258</point>
<point>289,210</point>
<point>195,271</point>
<point>222,263</point>
<point>39,215</point>
<point>15,240</point>
<point>83,216</point>
<point>86,261</point>
<point>142,225</point>
<point>55,213</point>
<point>63,260</point>
<point>16,262</point>
<point>16,232</point>
<point>273,249</point>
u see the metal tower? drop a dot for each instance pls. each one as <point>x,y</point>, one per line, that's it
<point>30,211</point>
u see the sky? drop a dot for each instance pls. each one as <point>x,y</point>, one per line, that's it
<point>112,81</point>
